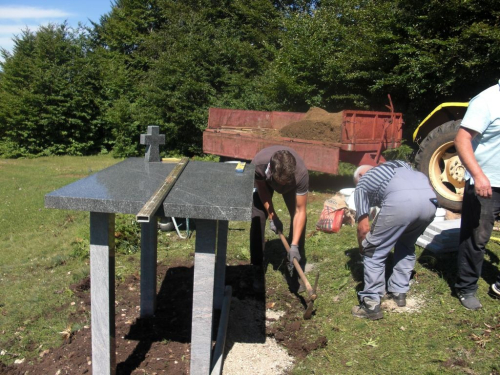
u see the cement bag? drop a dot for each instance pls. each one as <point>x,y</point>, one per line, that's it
<point>332,215</point>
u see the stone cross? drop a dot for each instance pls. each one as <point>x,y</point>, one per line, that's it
<point>153,139</point>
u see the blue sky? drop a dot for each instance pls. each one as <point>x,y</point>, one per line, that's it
<point>16,15</point>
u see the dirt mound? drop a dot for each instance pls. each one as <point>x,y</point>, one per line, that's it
<point>317,125</point>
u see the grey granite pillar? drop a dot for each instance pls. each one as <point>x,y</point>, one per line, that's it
<point>149,247</point>
<point>203,292</point>
<point>220,263</point>
<point>102,292</point>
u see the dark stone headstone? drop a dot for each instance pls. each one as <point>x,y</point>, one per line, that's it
<point>153,139</point>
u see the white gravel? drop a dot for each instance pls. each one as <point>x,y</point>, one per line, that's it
<point>248,350</point>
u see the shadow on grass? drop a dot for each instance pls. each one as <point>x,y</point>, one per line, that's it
<point>328,183</point>
<point>355,265</point>
<point>275,256</point>
<point>174,304</point>
<point>173,315</point>
<point>445,265</point>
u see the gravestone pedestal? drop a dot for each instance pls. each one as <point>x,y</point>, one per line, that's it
<point>211,193</point>
<point>102,275</point>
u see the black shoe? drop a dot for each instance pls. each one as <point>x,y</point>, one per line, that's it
<point>368,309</point>
<point>399,298</point>
<point>469,300</point>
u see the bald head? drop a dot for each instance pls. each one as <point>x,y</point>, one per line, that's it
<point>360,171</point>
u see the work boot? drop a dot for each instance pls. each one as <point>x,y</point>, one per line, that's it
<point>399,298</point>
<point>469,300</point>
<point>368,308</point>
<point>258,279</point>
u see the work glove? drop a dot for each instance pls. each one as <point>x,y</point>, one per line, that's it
<point>293,253</point>
<point>276,225</point>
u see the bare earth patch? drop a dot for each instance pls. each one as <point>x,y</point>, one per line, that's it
<point>413,305</point>
<point>262,338</point>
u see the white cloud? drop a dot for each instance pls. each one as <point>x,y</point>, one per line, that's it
<point>16,18</point>
<point>24,12</point>
<point>16,29</point>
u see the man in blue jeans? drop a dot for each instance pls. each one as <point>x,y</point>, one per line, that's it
<point>478,144</point>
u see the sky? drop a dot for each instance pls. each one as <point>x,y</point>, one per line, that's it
<point>17,15</point>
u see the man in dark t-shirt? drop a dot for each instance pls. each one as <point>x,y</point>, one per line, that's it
<point>280,169</point>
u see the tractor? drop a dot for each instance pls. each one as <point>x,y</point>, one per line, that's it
<point>437,157</point>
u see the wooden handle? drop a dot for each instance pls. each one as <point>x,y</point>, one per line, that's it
<point>298,268</point>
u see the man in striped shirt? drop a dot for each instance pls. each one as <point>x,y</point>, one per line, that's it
<point>407,206</point>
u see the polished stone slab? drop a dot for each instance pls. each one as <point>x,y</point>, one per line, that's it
<point>122,188</point>
<point>205,190</point>
<point>212,191</point>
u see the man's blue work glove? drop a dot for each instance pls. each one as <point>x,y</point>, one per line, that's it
<point>276,225</point>
<point>293,253</point>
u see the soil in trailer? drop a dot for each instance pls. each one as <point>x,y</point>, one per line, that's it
<point>317,125</point>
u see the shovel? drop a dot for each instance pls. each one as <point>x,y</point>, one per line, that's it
<point>310,291</point>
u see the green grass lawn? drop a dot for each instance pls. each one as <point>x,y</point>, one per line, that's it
<point>43,251</point>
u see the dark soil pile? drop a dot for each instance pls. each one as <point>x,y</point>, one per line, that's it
<point>161,344</point>
<point>317,125</point>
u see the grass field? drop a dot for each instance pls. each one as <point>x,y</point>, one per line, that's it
<point>43,251</point>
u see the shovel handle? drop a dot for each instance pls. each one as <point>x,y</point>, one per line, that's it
<point>302,276</point>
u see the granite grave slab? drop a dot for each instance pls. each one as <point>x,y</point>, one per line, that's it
<point>211,193</point>
<point>205,190</point>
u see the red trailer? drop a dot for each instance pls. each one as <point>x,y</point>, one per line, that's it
<point>240,134</point>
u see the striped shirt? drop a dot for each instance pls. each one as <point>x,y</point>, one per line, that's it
<point>371,186</point>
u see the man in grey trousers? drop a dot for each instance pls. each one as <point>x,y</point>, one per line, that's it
<point>407,206</point>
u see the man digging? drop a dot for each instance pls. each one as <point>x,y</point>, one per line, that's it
<point>280,169</point>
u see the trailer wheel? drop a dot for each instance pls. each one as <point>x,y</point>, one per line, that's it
<point>438,159</point>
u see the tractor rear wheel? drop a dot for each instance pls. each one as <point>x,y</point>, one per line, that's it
<point>438,159</point>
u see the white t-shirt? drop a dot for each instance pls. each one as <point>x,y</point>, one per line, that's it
<point>483,116</point>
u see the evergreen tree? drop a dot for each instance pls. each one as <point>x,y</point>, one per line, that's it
<point>49,96</point>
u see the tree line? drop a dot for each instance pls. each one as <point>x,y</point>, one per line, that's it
<point>165,62</point>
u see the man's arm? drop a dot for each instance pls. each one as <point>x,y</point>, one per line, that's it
<point>463,145</point>
<point>363,229</point>
<point>265,198</point>
<point>299,219</point>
